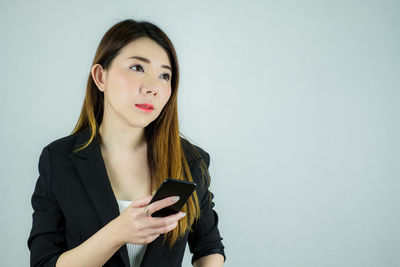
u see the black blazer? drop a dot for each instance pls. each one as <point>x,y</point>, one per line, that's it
<point>73,199</point>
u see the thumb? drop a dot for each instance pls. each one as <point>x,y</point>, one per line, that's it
<point>141,202</point>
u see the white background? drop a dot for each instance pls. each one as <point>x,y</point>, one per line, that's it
<point>297,103</point>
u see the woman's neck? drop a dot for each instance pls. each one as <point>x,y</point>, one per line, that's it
<point>115,140</point>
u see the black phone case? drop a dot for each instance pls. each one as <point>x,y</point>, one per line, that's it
<point>173,187</point>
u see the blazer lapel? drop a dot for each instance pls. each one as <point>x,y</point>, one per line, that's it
<point>154,252</point>
<point>92,171</point>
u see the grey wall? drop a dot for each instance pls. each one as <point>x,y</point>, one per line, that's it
<point>297,103</point>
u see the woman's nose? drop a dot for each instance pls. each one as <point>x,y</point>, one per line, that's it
<point>151,91</point>
<point>150,86</point>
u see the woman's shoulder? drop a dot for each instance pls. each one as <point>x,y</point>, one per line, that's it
<point>66,144</point>
<point>194,152</point>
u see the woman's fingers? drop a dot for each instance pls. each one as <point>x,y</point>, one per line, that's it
<point>159,222</point>
<point>160,204</point>
<point>141,202</point>
<point>142,228</point>
<point>163,229</point>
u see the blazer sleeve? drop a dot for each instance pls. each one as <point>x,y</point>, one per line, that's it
<point>205,238</point>
<point>46,241</point>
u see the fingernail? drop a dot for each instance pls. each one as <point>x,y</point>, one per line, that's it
<point>183,214</point>
<point>175,199</point>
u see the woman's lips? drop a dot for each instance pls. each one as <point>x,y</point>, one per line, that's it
<point>145,107</point>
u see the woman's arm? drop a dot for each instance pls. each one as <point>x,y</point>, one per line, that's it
<point>47,238</point>
<point>213,260</point>
<point>95,251</point>
<point>205,240</point>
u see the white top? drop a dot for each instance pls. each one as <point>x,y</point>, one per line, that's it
<point>135,251</point>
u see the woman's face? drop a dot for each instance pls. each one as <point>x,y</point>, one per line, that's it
<point>138,77</point>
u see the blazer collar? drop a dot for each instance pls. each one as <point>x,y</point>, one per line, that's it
<point>92,171</point>
<point>83,136</point>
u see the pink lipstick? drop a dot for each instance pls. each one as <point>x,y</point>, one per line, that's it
<point>145,107</point>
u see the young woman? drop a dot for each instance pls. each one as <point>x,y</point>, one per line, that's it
<point>91,200</point>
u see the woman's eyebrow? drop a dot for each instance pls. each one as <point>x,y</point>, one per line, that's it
<point>148,61</point>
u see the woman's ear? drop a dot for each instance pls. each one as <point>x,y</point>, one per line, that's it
<point>99,77</point>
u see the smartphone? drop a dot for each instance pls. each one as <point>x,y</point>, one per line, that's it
<point>173,187</point>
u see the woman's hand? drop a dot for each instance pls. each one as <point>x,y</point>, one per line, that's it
<point>133,225</point>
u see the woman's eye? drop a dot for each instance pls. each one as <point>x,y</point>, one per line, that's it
<point>166,76</point>
<point>139,67</point>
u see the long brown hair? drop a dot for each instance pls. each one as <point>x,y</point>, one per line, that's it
<point>165,153</point>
